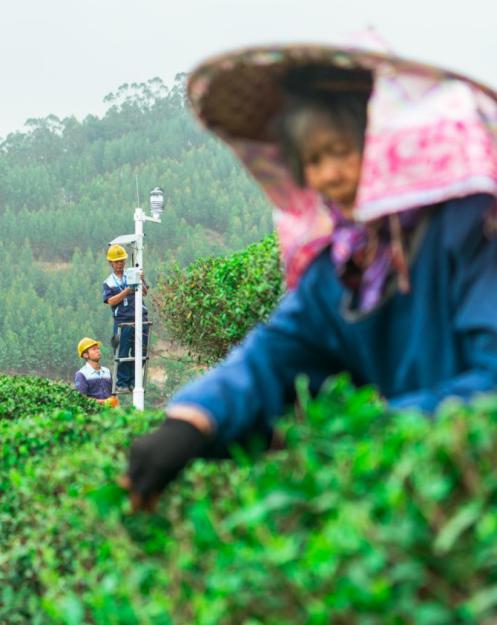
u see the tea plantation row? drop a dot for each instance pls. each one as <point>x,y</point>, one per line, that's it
<point>366,518</point>
<point>24,395</point>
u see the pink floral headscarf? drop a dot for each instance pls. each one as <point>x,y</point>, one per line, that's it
<point>431,136</point>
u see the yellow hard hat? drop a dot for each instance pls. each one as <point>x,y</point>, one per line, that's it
<point>85,344</point>
<point>116,252</point>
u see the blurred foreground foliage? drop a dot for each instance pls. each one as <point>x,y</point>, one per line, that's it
<point>366,518</point>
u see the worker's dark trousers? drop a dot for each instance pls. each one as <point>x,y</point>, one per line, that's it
<point>126,370</point>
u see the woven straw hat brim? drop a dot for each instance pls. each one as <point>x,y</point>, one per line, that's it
<point>237,94</point>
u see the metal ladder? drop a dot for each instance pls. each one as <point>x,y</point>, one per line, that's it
<point>118,360</point>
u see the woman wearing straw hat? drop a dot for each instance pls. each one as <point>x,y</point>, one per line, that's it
<point>383,174</point>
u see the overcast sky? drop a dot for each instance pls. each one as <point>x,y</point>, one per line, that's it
<point>64,56</point>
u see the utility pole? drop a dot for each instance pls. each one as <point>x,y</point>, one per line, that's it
<point>133,275</point>
<point>156,208</point>
<point>139,391</point>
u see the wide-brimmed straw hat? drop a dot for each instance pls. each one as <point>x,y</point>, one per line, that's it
<point>431,133</point>
<point>237,94</point>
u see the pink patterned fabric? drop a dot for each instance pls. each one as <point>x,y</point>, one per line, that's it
<point>427,141</point>
<point>431,136</point>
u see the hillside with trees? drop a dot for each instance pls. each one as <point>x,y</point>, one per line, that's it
<point>67,187</point>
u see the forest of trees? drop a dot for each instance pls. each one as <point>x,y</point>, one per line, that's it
<point>68,187</point>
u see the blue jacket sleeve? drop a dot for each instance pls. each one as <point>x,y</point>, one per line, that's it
<point>473,258</point>
<point>255,384</point>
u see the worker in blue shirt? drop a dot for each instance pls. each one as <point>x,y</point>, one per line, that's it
<point>121,298</point>
<point>406,301</point>
<point>93,379</point>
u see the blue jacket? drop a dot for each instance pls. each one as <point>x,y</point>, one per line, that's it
<point>439,340</point>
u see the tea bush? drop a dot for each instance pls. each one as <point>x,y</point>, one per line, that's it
<point>47,468</point>
<point>23,395</point>
<point>213,302</point>
<point>367,517</point>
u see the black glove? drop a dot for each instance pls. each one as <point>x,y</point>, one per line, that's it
<point>158,457</point>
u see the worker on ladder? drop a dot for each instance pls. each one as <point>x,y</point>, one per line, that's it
<point>121,298</point>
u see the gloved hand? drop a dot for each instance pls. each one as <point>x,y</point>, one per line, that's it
<point>111,402</point>
<point>158,457</point>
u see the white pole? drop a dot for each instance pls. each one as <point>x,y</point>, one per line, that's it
<point>138,391</point>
